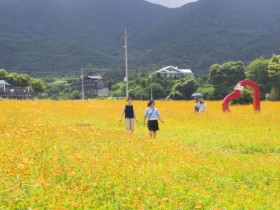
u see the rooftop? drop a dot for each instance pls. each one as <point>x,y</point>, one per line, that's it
<point>94,77</point>
<point>3,82</point>
<point>173,69</point>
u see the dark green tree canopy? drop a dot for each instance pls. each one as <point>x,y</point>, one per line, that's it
<point>224,77</point>
<point>3,74</point>
<point>183,89</point>
<point>38,85</point>
<point>23,80</point>
<point>274,70</point>
<point>257,71</point>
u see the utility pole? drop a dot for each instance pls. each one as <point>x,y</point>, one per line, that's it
<point>83,89</point>
<point>152,97</point>
<point>125,37</point>
<point>151,77</point>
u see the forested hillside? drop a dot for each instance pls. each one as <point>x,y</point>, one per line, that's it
<point>67,34</point>
<point>61,35</point>
<point>212,31</point>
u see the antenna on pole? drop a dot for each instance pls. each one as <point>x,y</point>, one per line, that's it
<point>125,38</point>
<point>83,89</point>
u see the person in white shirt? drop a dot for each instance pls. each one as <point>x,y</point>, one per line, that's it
<point>153,115</point>
<point>201,106</point>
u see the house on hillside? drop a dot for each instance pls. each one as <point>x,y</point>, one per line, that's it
<point>8,91</point>
<point>93,86</point>
<point>174,72</point>
<point>4,85</point>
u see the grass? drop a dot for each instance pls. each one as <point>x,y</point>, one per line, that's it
<point>76,155</point>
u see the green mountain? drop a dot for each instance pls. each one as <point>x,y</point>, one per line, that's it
<point>62,35</point>
<point>211,31</point>
<point>57,35</point>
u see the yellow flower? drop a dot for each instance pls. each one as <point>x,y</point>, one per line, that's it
<point>21,166</point>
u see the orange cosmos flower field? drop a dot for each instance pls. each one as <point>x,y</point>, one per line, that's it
<point>77,155</point>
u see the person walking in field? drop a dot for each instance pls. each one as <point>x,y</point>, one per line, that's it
<point>201,106</point>
<point>153,115</point>
<point>196,105</point>
<point>130,116</point>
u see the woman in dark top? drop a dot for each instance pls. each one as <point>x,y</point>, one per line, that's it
<point>130,116</point>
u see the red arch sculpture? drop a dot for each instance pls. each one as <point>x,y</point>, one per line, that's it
<point>256,94</point>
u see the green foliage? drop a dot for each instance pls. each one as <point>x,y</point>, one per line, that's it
<point>58,88</point>
<point>164,85</point>
<point>23,80</point>
<point>274,66</point>
<point>118,90</point>
<point>175,95</point>
<point>246,97</point>
<point>140,88</point>
<point>3,74</point>
<point>159,92</point>
<point>266,73</point>
<point>207,91</point>
<point>196,35</point>
<point>138,92</point>
<point>75,95</point>
<point>224,77</point>
<point>38,85</point>
<point>103,97</point>
<point>183,89</point>
<point>274,71</point>
<point>257,71</point>
<point>18,80</point>
<point>274,94</point>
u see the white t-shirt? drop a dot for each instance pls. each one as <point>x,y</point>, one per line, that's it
<point>201,107</point>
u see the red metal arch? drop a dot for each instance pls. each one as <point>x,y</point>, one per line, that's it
<point>256,94</point>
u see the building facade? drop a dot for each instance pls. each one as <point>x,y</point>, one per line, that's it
<point>8,91</point>
<point>94,86</point>
<point>174,72</point>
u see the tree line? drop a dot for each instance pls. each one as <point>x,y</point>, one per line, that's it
<point>23,80</point>
<point>215,86</point>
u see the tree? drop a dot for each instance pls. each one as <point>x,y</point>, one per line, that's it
<point>274,71</point>
<point>246,97</point>
<point>166,86</point>
<point>183,89</point>
<point>257,71</point>
<point>138,92</point>
<point>117,90</point>
<point>3,74</point>
<point>175,95</point>
<point>38,85</point>
<point>19,80</point>
<point>274,94</point>
<point>75,95</point>
<point>224,77</point>
<point>158,91</point>
<point>207,91</point>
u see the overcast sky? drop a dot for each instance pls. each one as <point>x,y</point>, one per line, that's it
<point>171,3</point>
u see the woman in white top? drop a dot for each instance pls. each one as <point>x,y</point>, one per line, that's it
<point>201,106</point>
<point>153,115</point>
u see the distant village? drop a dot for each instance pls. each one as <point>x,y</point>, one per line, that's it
<point>92,86</point>
<point>9,91</point>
